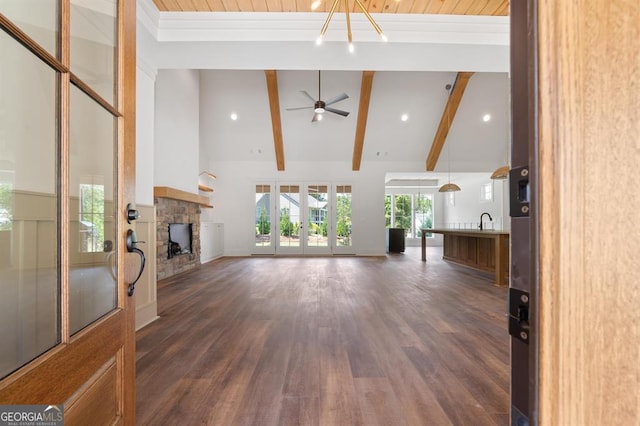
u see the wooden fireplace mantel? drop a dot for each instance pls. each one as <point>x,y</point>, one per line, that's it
<point>177,194</point>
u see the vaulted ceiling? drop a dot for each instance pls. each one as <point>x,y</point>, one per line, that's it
<point>238,54</point>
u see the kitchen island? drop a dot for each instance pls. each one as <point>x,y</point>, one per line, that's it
<point>484,250</point>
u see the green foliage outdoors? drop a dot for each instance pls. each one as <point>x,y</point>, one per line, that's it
<point>403,211</point>
<point>6,207</point>
<point>387,211</point>
<point>343,210</point>
<point>288,228</point>
<point>264,227</point>
<point>92,211</point>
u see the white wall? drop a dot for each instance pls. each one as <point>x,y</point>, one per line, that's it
<point>468,207</point>
<point>177,132</point>
<point>145,106</point>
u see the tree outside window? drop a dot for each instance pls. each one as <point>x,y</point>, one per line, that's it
<point>91,218</point>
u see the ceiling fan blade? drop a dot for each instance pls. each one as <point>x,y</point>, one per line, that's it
<point>336,111</point>
<point>308,95</point>
<point>338,98</point>
<point>316,117</point>
<point>293,109</point>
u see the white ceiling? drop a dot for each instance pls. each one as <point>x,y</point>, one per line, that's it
<point>411,73</point>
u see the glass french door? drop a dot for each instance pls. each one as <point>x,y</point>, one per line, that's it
<point>342,220</point>
<point>264,242</point>
<point>302,219</point>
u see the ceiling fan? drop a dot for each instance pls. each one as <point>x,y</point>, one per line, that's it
<point>320,106</point>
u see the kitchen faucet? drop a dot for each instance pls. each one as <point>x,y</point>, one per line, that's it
<point>490,218</point>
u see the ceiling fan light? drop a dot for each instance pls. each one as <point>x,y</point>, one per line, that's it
<point>449,187</point>
<point>318,110</point>
<point>500,173</point>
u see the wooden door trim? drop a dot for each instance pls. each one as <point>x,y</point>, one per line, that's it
<point>25,386</point>
<point>126,104</point>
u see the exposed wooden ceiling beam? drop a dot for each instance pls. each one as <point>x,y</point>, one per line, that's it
<point>363,113</point>
<point>276,123</point>
<point>449,113</point>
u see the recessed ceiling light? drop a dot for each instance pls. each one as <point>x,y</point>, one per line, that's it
<point>486,117</point>
<point>234,116</point>
<point>404,117</point>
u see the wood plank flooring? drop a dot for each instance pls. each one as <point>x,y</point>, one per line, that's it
<point>326,341</point>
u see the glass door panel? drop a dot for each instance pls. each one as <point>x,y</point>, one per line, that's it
<point>93,41</point>
<point>289,219</point>
<point>317,207</point>
<point>37,18</point>
<point>29,290</point>
<point>263,225</point>
<point>343,241</point>
<point>92,196</point>
<point>423,214</point>
<point>317,220</point>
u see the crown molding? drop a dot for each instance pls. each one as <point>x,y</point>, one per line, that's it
<point>274,26</point>
<point>271,26</point>
<point>149,16</point>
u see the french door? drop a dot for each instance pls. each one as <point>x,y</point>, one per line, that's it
<point>67,169</point>
<point>302,215</point>
<point>303,219</point>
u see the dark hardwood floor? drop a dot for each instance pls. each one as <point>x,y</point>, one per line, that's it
<point>326,341</point>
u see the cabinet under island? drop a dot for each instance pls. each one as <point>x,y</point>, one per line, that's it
<point>485,250</point>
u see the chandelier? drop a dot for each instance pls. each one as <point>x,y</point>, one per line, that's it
<point>358,3</point>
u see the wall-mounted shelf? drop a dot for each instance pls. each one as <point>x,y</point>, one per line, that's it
<point>204,188</point>
<point>206,206</point>
<point>177,194</point>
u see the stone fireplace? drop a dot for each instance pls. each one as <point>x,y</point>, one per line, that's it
<point>176,207</point>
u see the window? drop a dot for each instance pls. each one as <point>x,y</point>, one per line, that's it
<point>412,212</point>
<point>423,214</point>
<point>486,192</point>
<point>343,216</point>
<point>6,206</point>
<point>263,216</point>
<point>91,217</point>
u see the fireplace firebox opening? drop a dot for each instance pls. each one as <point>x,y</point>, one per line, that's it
<point>180,239</point>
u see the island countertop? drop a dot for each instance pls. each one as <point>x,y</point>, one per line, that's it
<point>474,232</point>
<point>486,250</point>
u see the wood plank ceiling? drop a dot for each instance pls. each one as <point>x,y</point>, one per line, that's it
<point>452,7</point>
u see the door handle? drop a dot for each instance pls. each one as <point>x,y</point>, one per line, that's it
<point>131,242</point>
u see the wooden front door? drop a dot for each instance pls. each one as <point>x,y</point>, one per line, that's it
<point>67,157</point>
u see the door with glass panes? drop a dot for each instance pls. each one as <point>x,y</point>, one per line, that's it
<point>302,219</point>
<point>67,146</point>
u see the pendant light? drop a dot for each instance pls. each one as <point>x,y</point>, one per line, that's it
<point>502,172</point>
<point>449,187</point>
